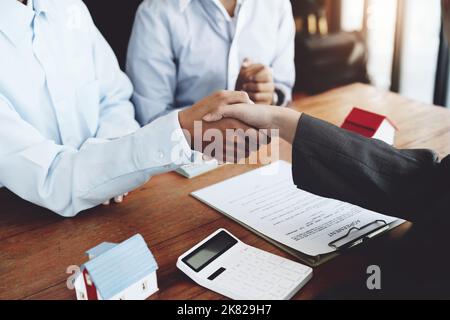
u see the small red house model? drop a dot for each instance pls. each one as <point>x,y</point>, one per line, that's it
<point>370,125</point>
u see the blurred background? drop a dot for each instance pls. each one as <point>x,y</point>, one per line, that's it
<point>392,44</point>
<point>397,45</point>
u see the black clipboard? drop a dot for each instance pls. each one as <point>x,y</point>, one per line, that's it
<point>347,241</point>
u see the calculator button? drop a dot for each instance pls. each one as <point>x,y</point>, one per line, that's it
<point>292,276</point>
<point>286,284</point>
<point>216,274</point>
<point>257,275</point>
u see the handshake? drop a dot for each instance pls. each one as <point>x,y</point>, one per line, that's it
<point>228,126</point>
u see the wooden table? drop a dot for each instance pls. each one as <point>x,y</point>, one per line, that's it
<point>36,246</point>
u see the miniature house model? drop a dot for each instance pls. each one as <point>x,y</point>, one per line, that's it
<point>371,125</point>
<point>125,271</point>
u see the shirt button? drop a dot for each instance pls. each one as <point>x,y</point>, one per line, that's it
<point>161,154</point>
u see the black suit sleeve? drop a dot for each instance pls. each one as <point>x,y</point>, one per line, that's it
<point>338,164</point>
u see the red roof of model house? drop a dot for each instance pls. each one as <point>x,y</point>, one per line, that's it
<point>364,122</point>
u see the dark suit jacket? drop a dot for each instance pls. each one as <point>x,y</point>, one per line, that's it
<point>335,163</point>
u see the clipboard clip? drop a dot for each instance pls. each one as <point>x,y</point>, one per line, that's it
<point>383,226</point>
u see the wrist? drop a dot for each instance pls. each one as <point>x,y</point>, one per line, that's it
<point>286,120</point>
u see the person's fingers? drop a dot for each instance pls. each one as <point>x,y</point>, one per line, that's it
<point>264,75</point>
<point>234,150</point>
<point>233,97</point>
<point>225,98</point>
<point>239,146</point>
<point>236,111</point>
<point>255,68</point>
<point>261,97</point>
<point>118,199</point>
<point>252,71</point>
<point>247,145</point>
<point>252,142</point>
<point>246,63</point>
<point>266,137</point>
<point>214,116</point>
<point>259,87</point>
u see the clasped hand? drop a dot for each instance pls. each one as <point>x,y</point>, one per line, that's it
<point>257,80</point>
<point>226,139</point>
<point>283,121</point>
<point>231,122</point>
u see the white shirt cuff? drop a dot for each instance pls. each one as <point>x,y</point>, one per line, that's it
<point>162,143</point>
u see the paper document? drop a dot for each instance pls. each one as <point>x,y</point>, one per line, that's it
<point>267,201</point>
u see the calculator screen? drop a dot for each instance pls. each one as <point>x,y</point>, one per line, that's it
<point>209,251</point>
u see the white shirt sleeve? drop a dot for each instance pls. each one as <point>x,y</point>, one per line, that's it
<point>284,63</point>
<point>68,181</point>
<point>117,114</point>
<point>150,56</point>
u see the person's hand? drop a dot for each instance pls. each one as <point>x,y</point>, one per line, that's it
<point>260,117</point>
<point>257,81</point>
<point>118,199</point>
<point>238,140</point>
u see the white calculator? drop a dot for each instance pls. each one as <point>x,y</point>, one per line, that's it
<point>228,266</point>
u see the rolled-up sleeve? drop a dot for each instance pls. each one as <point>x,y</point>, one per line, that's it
<point>68,180</point>
<point>338,164</point>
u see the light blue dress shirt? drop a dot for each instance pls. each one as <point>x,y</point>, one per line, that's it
<point>184,50</point>
<point>68,137</point>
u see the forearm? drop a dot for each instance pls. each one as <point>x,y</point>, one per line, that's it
<point>68,181</point>
<point>286,121</point>
<point>117,120</point>
<point>116,114</point>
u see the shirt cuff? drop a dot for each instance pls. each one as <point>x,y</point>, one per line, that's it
<point>162,143</point>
